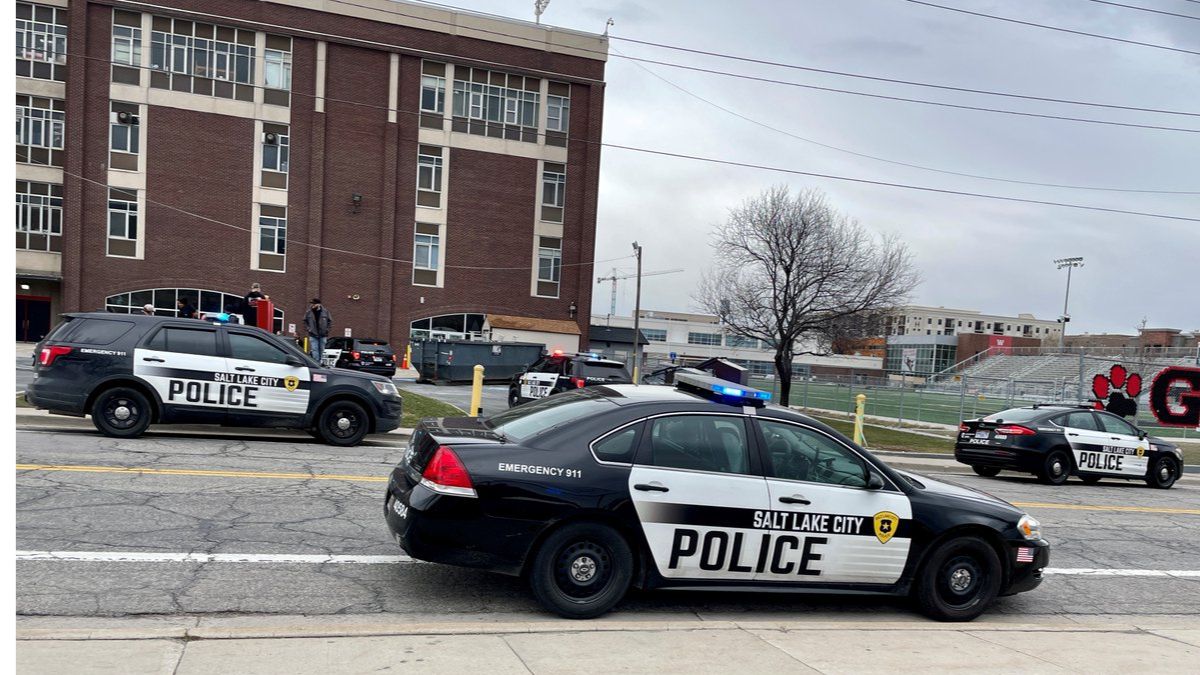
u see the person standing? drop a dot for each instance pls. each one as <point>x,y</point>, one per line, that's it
<point>249,314</point>
<point>317,322</point>
<point>185,309</point>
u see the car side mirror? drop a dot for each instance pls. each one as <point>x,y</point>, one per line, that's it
<point>294,361</point>
<point>1142,435</point>
<point>874,481</point>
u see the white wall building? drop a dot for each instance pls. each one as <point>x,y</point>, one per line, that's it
<point>920,320</point>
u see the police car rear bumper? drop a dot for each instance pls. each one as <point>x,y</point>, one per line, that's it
<point>1020,459</point>
<point>68,401</point>
<point>1026,576</point>
<point>453,530</point>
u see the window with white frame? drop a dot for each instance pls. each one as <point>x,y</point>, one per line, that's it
<point>426,249</point>
<point>496,97</point>
<point>123,128</point>
<point>429,168</point>
<point>654,334</point>
<point>433,94</point>
<point>39,216</point>
<point>549,262</point>
<point>126,45</point>
<point>122,215</point>
<point>206,59</point>
<point>558,113</point>
<point>41,41</point>
<point>554,185</point>
<point>276,147</point>
<point>272,234</point>
<point>277,69</point>
<point>40,122</point>
<point>713,339</point>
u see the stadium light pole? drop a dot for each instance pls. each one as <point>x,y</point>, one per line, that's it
<point>1069,263</point>
<point>637,311</point>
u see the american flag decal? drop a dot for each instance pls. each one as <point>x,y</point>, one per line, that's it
<point>1024,555</point>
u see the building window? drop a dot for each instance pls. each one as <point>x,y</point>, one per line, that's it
<point>433,94</point>
<point>741,342</point>
<point>276,148</point>
<point>558,113</point>
<point>654,334</point>
<point>448,327</point>
<point>40,126</point>
<point>496,104</point>
<point>272,234</point>
<point>201,58</point>
<point>122,223</point>
<point>123,135</point>
<point>425,253</point>
<point>41,42</point>
<point>554,192</point>
<point>713,339</point>
<point>549,266</point>
<point>39,216</point>
<point>277,69</point>
<point>429,176</point>
<point>127,45</point>
<point>163,300</point>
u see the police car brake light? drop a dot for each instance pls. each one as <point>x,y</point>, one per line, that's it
<point>1015,430</point>
<point>557,352</point>
<point>720,389</point>
<point>48,354</point>
<point>446,474</point>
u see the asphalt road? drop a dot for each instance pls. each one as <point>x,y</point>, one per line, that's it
<point>228,494</point>
<point>24,365</point>
<point>495,396</point>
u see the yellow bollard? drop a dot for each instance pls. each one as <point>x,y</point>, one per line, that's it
<point>859,410</point>
<point>306,344</point>
<point>477,391</point>
<point>408,356</point>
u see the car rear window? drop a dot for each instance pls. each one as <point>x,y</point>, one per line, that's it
<point>374,345</point>
<point>610,371</point>
<point>519,423</point>
<point>90,331</point>
<point>1015,415</point>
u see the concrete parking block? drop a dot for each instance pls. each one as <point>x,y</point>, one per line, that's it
<point>902,651</point>
<point>322,656</point>
<point>696,651</point>
<point>98,657</point>
<point>1105,652</point>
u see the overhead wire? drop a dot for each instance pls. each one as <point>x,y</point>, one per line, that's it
<point>1146,9</point>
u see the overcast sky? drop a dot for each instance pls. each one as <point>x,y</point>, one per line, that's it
<point>972,253</point>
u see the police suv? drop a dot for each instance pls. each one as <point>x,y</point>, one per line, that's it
<point>558,372</point>
<point>1055,441</point>
<point>697,486</point>
<point>128,371</point>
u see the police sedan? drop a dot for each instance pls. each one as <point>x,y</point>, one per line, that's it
<point>128,371</point>
<point>697,486</point>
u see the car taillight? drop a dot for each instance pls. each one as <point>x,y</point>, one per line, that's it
<point>52,352</point>
<point>355,355</point>
<point>578,382</point>
<point>962,426</point>
<point>1015,430</point>
<point>445,473</point>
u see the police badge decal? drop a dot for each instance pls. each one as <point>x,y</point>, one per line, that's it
<point>291,382</point>
<point>885,525</point>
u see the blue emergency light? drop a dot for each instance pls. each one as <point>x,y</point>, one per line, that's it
<point>716,388</point>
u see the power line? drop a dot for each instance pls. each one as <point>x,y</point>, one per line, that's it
<point>896,162</point>
<point>541,134</point>
<point>1146,9</point>
<point>1057,28</point>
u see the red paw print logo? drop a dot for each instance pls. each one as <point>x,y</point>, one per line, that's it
<point>1117,392</point>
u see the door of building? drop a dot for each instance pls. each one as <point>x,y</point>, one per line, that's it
<point>33,317</point>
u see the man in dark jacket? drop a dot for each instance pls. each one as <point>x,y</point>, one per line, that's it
<point>249,313</point>
<point>317,322</point>
<point>186,311</point>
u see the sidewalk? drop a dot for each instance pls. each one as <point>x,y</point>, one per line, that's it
<point>889,643</point>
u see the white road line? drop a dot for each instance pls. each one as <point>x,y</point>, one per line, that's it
<point>155,557</point>
<point>316,559</point>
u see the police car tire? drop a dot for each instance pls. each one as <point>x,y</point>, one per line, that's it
<point>985,471</point>
<point>1160,466</point>
<point>136,405</point>
<point>328,419</point>
<point>1047,474</point>
<point>552,576</point>
<point>934,591</point>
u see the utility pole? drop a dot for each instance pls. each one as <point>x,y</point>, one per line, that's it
<point>1069,263</point>
<point>637,314</point>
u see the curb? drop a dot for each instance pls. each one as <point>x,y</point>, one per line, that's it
<point>46,422</point>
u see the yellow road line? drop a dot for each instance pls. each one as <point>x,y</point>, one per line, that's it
<point>199,472</point>
<point>1099,507</point>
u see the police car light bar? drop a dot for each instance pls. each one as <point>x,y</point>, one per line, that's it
<point>710,386</point>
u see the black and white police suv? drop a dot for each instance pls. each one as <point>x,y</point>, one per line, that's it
<point>1055,441</point>
<point>697,486</point>
<point>128,371</point>
<point>558,372</point>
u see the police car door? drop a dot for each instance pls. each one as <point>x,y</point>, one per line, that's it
<point>184,364</point>
<point>826,525</point>
<point>1124,442</point>
<point>275,390</point>
<point>1089,445</point>
<point>541,378</point>
<point>697,498</point>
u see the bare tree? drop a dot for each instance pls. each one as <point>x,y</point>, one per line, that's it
<point>794,272</point>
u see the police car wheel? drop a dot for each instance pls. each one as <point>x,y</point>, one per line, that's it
<point>959,580</point>
<point>1163,473</point>
<point>581,571</point>
<point>985,471</point>
<point>514,397</point>
<point>1090,480</point>
<point>1055,468</point>
<point>121,412</point>
<point>343,423</point>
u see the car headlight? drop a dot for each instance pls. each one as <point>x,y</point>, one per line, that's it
<point>385,388</point>
<point>1029,527</point>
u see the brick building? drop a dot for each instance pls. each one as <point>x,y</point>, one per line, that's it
<point>417,168</point>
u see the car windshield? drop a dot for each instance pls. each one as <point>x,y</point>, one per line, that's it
<point>1015,415</point>
<point>527,420</point>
